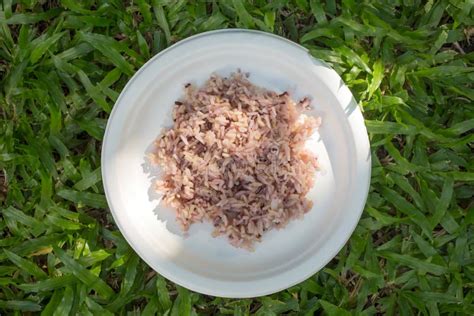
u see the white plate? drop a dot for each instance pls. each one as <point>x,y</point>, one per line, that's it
<point>210,265</point>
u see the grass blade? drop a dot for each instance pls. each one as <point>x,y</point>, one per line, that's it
<point>24,306</point>
<point>378,127</point>
<point>412,262</point>
<point>163,294</point>
<point>64,307</point>
<point>444,201</point>
<point>162,21</point>
<point>109,48</point>
<point>84,198</point>
<point>43,45</point>
<point>26,265</point>
<point>49,284</point>
<point>53,303</point>
<point>182,304</point>
<point>84,275</point>
<point>244,17</point>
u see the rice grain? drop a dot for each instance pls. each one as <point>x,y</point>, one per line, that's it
<point>235,157</point>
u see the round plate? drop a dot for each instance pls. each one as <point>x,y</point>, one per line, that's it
<point>211,265</point>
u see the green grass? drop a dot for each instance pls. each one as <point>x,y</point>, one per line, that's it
<point>410,66</point>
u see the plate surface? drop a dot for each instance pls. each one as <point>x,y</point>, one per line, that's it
<point>211,265</point>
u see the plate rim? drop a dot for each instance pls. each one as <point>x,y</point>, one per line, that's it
<point>192,285</point>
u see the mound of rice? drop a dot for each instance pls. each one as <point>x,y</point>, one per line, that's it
<point>235,156</point>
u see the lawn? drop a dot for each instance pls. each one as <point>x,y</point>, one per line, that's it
<point>409,65</point>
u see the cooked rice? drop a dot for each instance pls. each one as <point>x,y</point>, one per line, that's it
<point>235,157</point>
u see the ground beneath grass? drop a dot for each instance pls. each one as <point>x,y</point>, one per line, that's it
<point>410,66</point>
